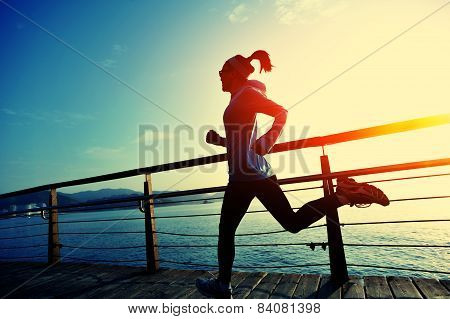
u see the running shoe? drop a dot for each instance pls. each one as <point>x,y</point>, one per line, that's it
<point>360,194</point>
<point>213,288</point>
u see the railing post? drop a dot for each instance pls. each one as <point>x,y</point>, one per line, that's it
<point>53,236</point>
<point>150,228</point>
<point>338,264</point>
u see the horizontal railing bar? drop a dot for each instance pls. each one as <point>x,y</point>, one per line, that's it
<point>407,178</point>
<point>396,222</point>
<point>419,198</point>
<point>374,131</point>
<point>291,180</point>
<point>368,171</point>
<point>61,208</point>
<point>120,175</point>
<point>66,208</point>
<point>391,128</point>
<point>397,245</point>
<point>310,227</point>
<point>295,208</point>
<point>318,245</point>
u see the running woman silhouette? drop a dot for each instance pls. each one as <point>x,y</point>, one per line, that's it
<point>250,175</point>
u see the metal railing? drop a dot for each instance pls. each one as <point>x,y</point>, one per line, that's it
<point>146,203</point>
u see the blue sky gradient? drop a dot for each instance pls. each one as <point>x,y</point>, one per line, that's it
<point>62,117</point>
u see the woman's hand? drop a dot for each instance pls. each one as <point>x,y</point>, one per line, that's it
<point>212,137</point>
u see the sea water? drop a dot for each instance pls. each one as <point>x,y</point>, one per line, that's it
<point>103,246</point>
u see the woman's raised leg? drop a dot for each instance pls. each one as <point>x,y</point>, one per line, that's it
<point>273,198</point>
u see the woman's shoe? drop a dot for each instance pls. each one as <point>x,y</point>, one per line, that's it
<point>213,288</point>
<point>360,194</point>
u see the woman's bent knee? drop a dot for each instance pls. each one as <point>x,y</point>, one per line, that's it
<point>294,229</point>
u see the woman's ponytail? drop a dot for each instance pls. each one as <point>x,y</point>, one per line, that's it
<point>264,60</point>
<point>245,68</point>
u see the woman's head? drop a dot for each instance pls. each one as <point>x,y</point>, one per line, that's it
<point>236,70</point>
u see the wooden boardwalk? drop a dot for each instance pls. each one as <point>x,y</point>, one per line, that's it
<point>82,280</point>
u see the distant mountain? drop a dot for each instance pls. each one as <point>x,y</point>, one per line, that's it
<point>102,193</point>
<point>40,199</point>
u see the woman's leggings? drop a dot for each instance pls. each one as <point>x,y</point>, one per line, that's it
<point>237,199</point>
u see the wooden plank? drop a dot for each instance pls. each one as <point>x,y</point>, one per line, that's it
<point>18,270</point>
<point>175,292</point>
<point>36,286</point>
<point>236,278</point>
<point>248,284</point>
<point>181,284</point>
<point>44,281</point>
<point>13,275</point>
<point>431,288</point>
<point>17,267</point>
<point>138,285</point>
<point>195,294</point>
<point>70,277</point>
<point>328,288</point>
<point>307,287</point>
<point>266,286</point>
<point>153,291</point>
<point>97,278</point>
<point>113,282</point>
<point>377,287</point>
<point>403,288</point>
<point>353,288</point>
<point>286,286</point>
<point>189,276</point>
<point>188,292</point>
<point>83,280</point>
<point>238,281</point>
<point>180,287</point>
<point>13,282</point>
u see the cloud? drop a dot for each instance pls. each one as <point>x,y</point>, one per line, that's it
<point>119,49</point>
<point>109,63</point>
<point>79,116</point>
<point>54,116</point>
<point>8,111</point>
<point>101,152</point>
<point>306,11</point>
<point>239,14</point>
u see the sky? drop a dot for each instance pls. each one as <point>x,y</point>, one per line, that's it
<point>80,78</point>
